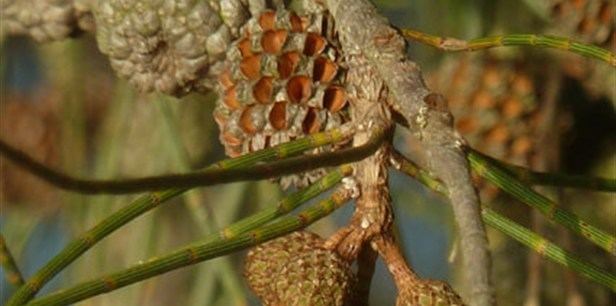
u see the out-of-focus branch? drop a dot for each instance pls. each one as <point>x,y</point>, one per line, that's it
<point>209,176</point>
<point>363,31</point>
<point>11,271</point>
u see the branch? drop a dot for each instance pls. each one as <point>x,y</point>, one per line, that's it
<point>514,230</point>
<point>212,175</point>
<point>11,271</point>
<point>553,42</point>
<point>212,246</point>
<point>362,30</point>
<point>553,179</point>
<point>549,209</point>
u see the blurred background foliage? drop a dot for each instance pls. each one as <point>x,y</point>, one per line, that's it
<point>545,109</point>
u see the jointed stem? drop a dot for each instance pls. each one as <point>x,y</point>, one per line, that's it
<point>237,169</point>
<point>554,179</point>
<point>11,271</point>
<point>514,230</point>
<point>546,248</point>
<point>506,182</point>
<point>554,42</point>
<point>147,202</point>
<point>212,246</point>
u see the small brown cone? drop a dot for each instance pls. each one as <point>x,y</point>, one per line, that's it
<point>297,270</point>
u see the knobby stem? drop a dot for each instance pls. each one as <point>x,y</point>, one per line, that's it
<point>212,246</point>
<point>552,42</point>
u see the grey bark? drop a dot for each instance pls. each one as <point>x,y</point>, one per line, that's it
<point>362,30</point>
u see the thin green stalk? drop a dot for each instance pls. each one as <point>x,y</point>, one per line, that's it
<point>211,247</point>
<point>287,204</point>
<point>553,42</point>
<point>11,271</point>
<point>555,179</point>
<point>209,176</point>
<point>511,185</point>
<point>147,202</point>
<point>547,248</point>
<point>514,230</point>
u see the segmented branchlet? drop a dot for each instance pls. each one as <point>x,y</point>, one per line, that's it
<point>296,270</point>
<point>283,80</point>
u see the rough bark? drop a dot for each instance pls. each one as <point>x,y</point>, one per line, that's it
<point>363,31</point>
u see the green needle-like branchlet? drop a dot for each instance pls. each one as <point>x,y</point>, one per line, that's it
<point>553,42</point>
<point>547,249</point>
<point>147,202</point>
<point>514,230</point>
<point>555,179</point>
<point>214,245</point>
<point>237,169</point>
<point>511,185</point>
<point>11,271</point>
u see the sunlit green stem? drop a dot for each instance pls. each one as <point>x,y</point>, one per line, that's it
<point>553,42</point>
<point>287,204</point>
<point>509,184</point>
<point>547,249</point>
<point>223,172</point>
<point>213,246</point>
<point>512,229</point>
<point>555,179</point>
<point>147,202</point>
<point>11,271</point>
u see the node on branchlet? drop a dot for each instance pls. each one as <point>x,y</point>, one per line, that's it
<point>428,293</point>
<point>283,80</point>
<point>43,20</point>
<point>296,270</point>
<point>167,45</point>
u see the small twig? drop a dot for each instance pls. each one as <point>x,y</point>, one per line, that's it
<point>11,271</point>
<point>514,230</point>
<point>207,177</point>
<point>136,208</point>
<point>549,209</point>
<point>212,246</point>
<point>555,179</point>
<point>553,42</point>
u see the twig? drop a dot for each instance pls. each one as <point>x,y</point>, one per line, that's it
<point>555,179</point>
<point>210,176</point>
<point>136,208</point>
<point>553,42</point>
<point>514,230</point>
<point>212,246</point>
<point>506,182</point>
<point>11,271</point>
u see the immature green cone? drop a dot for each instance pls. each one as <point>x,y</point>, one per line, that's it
<point>43,20</point>
<point>168,45</point>
<point>428,293</point>
<point>282,81</point>
<point>297,270</point>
